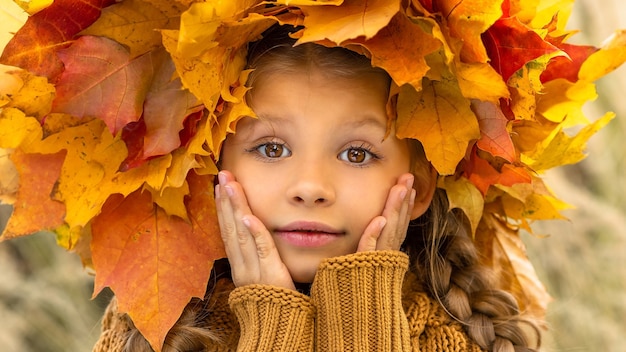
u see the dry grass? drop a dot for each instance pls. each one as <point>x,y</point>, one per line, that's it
<point>45,295</point>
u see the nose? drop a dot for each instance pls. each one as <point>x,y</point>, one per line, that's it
<point>311,185</point>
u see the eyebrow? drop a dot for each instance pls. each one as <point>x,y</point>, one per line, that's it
<point>366,120</point>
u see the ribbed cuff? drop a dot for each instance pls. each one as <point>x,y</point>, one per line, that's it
<point>273,318</point>
<point>359,302</point>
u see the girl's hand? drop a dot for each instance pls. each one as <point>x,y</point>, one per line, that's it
<point>389,230</point>
<point>249,245</point>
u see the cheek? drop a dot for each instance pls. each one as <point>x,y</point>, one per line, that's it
<point>260,191</point>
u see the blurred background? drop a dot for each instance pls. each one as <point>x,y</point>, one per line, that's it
<point>45,294</point>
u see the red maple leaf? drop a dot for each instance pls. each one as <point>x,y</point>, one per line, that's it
<point>510,45</point>
<point>34,46</point>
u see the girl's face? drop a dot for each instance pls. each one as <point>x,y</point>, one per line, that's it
<point>315,166</point>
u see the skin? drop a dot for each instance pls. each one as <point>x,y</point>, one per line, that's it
<point>313,177</point>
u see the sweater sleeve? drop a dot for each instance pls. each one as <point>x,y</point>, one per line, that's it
<point>273,318</point>
<point>359,302</point>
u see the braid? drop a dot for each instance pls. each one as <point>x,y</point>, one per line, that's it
<point>447,260</point>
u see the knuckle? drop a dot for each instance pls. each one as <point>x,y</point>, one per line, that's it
<point>227,229</point>
<point>242,236</point>
<point>264,249</point>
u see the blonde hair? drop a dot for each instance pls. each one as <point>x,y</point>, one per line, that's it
<point>441,251</point>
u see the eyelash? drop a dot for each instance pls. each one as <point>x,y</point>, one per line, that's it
<point>373,156</point>
<point>260,155</point>
<point>369,157</point>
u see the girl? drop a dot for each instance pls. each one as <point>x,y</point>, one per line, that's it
<point>337,238</point>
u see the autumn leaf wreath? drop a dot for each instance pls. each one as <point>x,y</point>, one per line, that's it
<point>112,114</point>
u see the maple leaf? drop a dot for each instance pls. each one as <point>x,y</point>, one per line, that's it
<point>136,23</point>
<point>467,20</point>
<point>483,174</point>
<point>17,129</point>
<point>561,149</point>
<point>8,178</point>
<point>34,46</point>
<point>428,116</point>
<point>567,67</point>
<point>38,176</point>
<point>464,195</point>
<point>101,80</point>
<point>386,44</point>
<point>510,45</point>
<point>610,56</point>
<point>153,262</point>
<point>33,95</point>
<point>495,138</point>
<point>502,249</point>
<point>166,107</point>
<point>93,157</point>
<point>353,19</point>
<point>480,81</point>
<point>200,23</point>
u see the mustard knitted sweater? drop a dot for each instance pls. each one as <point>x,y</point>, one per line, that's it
<point>359,302</point>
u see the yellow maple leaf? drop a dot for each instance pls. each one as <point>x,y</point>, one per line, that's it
<point>17,129</point>
<point>563,100</point>
<point>464,195</point>
<point>547,10</point>
<point>561,149</point>
<point>93,157</point>
<point>428,116</point>
<point>201,21</point>
<point>34,96</point>
<point>605,60</point>
<point>355,18</point>
<point>467,20</point>
<point>135,23</point>
<point>172,200</point>
<point>480,81</point>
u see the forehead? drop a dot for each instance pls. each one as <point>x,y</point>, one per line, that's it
<point>356,100</point>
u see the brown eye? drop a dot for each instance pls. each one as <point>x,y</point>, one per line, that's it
<point>356,155</point>
<point>273,150</point>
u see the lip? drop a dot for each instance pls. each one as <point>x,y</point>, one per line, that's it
<point>308,234</point>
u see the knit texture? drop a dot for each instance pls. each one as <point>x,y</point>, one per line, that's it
<point>273,319</point>
<point>359,302</point>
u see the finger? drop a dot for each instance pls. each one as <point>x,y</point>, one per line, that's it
<point>226,223</point>
<point>371,234</point>
<point>397,211</point>
<point>239,208</point>
<point>271,267</point>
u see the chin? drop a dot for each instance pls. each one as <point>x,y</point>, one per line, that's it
<point>303,275</point>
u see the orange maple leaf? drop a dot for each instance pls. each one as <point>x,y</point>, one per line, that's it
<point>156,263</point>
<point>38,176</point>
<point>495,138</point>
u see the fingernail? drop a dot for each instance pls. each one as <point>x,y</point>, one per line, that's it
<point>409,182</point>
<point>222,177</point>
<point>229,190</point>
<point>382,222</point>
<point>403,193</point>
<point>246,221</point>
<point>217,191</point>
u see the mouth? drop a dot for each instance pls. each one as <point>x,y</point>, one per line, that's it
<point>308,234</point>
